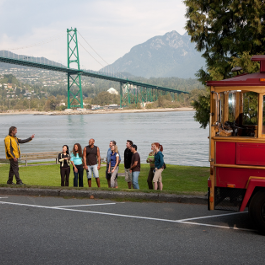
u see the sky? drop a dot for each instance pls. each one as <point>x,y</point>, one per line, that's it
<point>110,27</point>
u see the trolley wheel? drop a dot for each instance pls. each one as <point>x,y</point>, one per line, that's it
<point>256,210</point>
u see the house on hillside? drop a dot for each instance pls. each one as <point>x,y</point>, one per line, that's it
<point>112,91</point>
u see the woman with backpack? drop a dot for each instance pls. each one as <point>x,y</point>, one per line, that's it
<point>159,166</point>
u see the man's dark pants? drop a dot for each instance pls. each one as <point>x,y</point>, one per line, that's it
<point>13,171</point>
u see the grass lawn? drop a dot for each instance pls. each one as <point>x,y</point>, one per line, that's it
<point>176,179</point>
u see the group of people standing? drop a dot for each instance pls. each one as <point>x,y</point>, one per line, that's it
<point>89,160</point>
<point>132,165</point>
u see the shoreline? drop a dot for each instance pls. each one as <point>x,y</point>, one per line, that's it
<point>85,112</point>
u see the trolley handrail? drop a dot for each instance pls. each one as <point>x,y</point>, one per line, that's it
<point>210,136</point>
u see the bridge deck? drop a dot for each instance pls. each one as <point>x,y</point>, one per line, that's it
<point>72,71</point>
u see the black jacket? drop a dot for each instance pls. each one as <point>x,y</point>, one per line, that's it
<point>127,158</point>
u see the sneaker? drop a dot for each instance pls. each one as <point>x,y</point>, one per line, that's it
<point>10,183</point>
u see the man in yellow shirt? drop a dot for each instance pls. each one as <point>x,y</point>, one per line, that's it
<point>13,153</point>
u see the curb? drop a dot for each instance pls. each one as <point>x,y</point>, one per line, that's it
<point>101,194</point>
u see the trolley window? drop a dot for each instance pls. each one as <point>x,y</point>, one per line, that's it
<point>237,113</point>
<point>250,108</point>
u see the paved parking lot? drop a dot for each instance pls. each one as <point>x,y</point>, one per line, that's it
<point>52,230</point>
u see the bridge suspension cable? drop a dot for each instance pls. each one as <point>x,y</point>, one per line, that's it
<point>109,70</point>
<point>92,48</point>
<point>96,59</point>
<point>38,44</point>
<point>90,54</point>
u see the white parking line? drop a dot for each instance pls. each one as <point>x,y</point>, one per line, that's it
<point>182,221</point>
<point>211,216</point>
<point>219,226</point>
<point>87,211</point>
<point>84,205</point>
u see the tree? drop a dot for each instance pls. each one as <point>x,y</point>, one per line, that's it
<point>225,29</point>
<point>202,106</point>
<point>51,103</point>
<point>105,98</point>
<point>228,32</point>
<point>161,101</point>
<point>9,78</point>
<point>245,62</point>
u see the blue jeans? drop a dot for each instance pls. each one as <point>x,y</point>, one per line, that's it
<point>135,176</point>
<point>78,176</point>
<point>93,169</point>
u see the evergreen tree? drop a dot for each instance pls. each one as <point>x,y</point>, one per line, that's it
<point>228,32</point>
<point>225,29</point>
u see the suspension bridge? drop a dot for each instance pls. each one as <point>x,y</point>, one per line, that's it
<point>130,91</point>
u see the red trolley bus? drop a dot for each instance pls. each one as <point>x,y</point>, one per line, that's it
<point>237,144</point>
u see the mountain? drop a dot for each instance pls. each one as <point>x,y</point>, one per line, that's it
<point>170,55</point>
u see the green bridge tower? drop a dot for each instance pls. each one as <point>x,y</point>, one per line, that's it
<point>75,95</point>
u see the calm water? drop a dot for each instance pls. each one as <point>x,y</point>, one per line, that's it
<point>183,141</point>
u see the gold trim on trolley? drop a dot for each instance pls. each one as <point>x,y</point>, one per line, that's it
<point>239,166</point>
